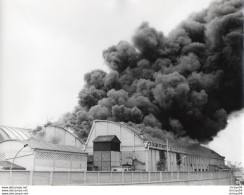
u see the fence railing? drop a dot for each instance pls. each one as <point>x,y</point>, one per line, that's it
<point>106,178</point>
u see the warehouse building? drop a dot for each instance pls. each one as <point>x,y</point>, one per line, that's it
<point>141,152</point>
<point>52,148</point>
<point>42,156</point>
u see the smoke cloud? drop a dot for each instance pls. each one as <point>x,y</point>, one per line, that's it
<point>182,86</point>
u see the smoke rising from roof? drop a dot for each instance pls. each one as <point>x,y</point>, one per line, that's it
<point>182,85</point>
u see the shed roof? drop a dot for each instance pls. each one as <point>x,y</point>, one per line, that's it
<point>107,138</point>
<point>6,165</point>
<point>14,133</point>
<point>197,148</point>
<point>52,147</point>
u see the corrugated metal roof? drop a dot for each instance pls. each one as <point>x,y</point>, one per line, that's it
<point>15,133</point>
<point>106,138</point>
<point>197,148</point>
<point>52,147</point>
<point>143,135</point>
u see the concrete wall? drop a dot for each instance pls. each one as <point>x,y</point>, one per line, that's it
<point>115,178</point>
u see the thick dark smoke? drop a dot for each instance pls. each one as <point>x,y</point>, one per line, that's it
<point>182,85</point>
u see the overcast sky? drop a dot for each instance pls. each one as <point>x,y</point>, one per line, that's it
<point>48,45</point>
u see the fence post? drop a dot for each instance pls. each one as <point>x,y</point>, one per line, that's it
<point>201,174</point>
<point>141,176</point>
<point>149,176</point>
<point>84,176</point>
<point>111,176</point>
<point>98,177</point>
<point>31,178</point>
<point>69,177</point>
<point>123,177</point>
<point>51,178</point>
<point>161,176</point>
<point>178,175</point>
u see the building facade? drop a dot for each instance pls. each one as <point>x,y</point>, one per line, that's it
<point>41,156</point>
<point>142,153</point>
<point>52,148</point>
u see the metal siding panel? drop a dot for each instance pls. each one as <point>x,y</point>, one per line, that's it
<point>97,156</point>
<point>115,159</point>
<point>105,165</point>
<point>102,146</point>
<point>106,156</point>
<point>97,159</point>
<point>115,146</point>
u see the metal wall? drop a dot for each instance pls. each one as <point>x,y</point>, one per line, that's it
<point>102,160</point>
<point>106,160</point>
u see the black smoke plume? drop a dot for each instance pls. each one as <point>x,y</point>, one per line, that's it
<point>182,85</point>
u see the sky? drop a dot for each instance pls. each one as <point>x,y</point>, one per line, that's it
<point>48,45</point>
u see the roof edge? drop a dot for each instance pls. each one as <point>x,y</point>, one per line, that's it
<point>57,126</point>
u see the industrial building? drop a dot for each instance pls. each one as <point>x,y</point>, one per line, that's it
<point>52,148</point>
<point>113,146</point>
<point>110,146</point>
<point>43,156</point>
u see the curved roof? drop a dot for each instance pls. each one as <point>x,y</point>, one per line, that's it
<point>70,131</point>
<point>14,133</point>
<point>138,132</point>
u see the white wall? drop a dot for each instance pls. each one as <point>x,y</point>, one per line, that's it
<point>60,161</point>
<point>42,161</point>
